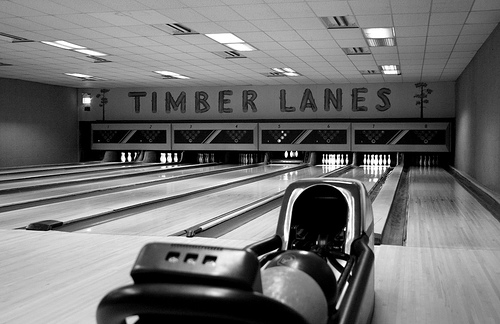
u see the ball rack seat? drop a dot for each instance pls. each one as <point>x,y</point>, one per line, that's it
<point>328,217</point>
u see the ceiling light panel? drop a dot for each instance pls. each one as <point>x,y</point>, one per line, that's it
<point>390,69</point>
<point>171,75</point>
<point>90,52</point>
<point>242,47</point>
<point>225,38</point>
<point>379,32</point>
<point>379,42</point>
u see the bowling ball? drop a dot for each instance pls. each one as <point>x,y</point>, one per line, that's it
<point>311,264</point>
<point>297,290</point>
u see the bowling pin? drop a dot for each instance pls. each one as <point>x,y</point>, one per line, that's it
<point>176,158</point>
<point>389,160</point>
<point>163,159</point>
<point>365,160</point>
<point>123,158</point>
<point>286,154</point>
<point>129,157</point>
<point>169,157</point>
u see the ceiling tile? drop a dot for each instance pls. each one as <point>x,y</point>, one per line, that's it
<point>331,8</point>
<point>419,19</point>
<point>375,21</point>
<point>486,5</point>
<point>444,30</point>
<point>483,17</point>
<point>451,18</point>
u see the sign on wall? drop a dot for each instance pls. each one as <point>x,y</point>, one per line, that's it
<point>387,100</point>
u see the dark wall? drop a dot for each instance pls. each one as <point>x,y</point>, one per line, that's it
<point>478,116</point>
<point>38,123</point>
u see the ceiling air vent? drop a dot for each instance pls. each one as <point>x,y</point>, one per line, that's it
<point>16,39</point>
<point>356,50</point>
<point>176,29</point>
<point>369,72</point>
<point>98,59</point>
<point>273,74</point>
<point>339,22</point>
<point>229,54</point>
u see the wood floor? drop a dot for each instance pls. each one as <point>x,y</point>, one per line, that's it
<point>448,271</point>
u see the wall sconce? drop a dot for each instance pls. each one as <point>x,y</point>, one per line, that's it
<point>86,98</point>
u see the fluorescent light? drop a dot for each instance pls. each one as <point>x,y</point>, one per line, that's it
<point>56,45</point>
<point>286,71</point>
<point>84,77</point>
<point>68,44</point>
<point>172,74</point>
<point>390,69</point>
<point>90,52</point>
<point>79,75</point>
<point>63,45</point>
<point>379,32</point>
<point>374,42</point>
<point>242,47</point>
<point>225,38</point>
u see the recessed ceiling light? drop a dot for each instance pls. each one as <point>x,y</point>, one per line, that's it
<point>85,77</point>
<point>390,69</point>
<point>90,52</point>
<point>78,75</point>
<point>225,38</point>
<point>63,45</point>
<point>284,71</point>
<point>379,32</point>
<point>172,75</point>
<point>375,42</point>
<point>242,47</point>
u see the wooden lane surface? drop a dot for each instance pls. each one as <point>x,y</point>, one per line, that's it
<point>71,191</point>
<point>59,278</point>
<point>441,213</point>
<point>70,169</point>
<point>47,178</point>
<point>180,216</point>
<point>417,285</point>
<point>95,205</point>
<point>265,225</point>
<point>448,270</point>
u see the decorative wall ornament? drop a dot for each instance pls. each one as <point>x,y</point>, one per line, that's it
<point>104,101</point>
<point>422,96</point>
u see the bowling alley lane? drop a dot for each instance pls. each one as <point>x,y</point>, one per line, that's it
<point>97,183</point>
<point>29,182</point>
<point>22,173</point>
<point>265,225</point>
<point>73,209</point>
<point>447,272</point>
<point>443,214</point>
<point>180,216</point>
